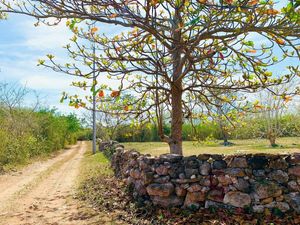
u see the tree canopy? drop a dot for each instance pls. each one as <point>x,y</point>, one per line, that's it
<point>174,55</point>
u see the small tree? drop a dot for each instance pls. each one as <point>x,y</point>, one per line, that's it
<point>273,108</point>
<point>178,50</point>
<point>227,114</point>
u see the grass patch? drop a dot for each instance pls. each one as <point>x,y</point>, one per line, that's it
<point>94,164</point>
<point>286,145</point>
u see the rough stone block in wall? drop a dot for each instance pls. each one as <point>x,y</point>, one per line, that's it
<point>256,181</point>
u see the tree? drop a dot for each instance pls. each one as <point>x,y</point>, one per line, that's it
<point>176,51</point>
<point>272,108</point>
<point>227,115</point>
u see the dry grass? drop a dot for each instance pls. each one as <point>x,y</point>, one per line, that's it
<point>286,145</point>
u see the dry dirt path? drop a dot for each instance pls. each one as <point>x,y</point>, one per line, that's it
<point>41,194</point>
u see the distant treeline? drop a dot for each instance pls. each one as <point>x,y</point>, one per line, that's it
<point>249,127</point>
<point>25,133</point>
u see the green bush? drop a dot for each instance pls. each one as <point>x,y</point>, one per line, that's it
<point>25,134</point>
<point>251,126</point>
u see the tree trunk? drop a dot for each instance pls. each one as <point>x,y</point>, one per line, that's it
<point>175,141</point>
<point>272,138</point>
<point>225,136</point>
<point>225,139</point>
<point>177,119</point>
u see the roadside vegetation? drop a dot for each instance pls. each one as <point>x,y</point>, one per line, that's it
<point>32,131</point>
<point>250,127</point>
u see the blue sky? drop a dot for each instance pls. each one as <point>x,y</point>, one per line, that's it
<point>22,44</point>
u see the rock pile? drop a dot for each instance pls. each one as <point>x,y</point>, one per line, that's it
<point>258,182</point>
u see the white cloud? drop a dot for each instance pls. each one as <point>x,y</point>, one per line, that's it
<point>46,82</point>
<point>45,37</point>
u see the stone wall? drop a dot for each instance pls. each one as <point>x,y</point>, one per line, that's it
<point>255,182</point>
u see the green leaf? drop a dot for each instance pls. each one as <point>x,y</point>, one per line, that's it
<point>275,59</point>
<point>248,43</point>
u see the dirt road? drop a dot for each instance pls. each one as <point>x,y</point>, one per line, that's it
<point>42,192</point>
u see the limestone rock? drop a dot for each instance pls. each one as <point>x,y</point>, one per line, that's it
<point>239,162</point>
<point>266,190</point>
<point>258,162</point>
<point>194,188</point>
<point>185,181</point>
<point>175,170</point>
<point>279,176</point>
<point>294,200</point>
<point>147,177</point>
<point>283,206</point>
<point>224,180</point>
<point>216,195</point>
<point>258,208</point>
<point>217,156</point>
<point>135,173</point>
<point>259,173</point>
<point>167,202</point>
<point>279,198</point>
<point>163,190</point>
<point>182,176</point>
<point>293,186</point>
<point>190,172</point>
<point>219,164</point>
<point>295,170</point>
<point>140,187</point>
<point>242,185</point>
<point>162,170</point>
<point>267,200</point>
<point>180,191</point>
<point>237,199</point>
<point>278,164</point>
<point>162,179</point>
<point>204,157</point>
<point>294,159</point>
<point>235,172</point>
<point>191,162</point>
<point>205,169</point>
<point>194,197</point>
<point>173,158</point>
<point>209,181</point>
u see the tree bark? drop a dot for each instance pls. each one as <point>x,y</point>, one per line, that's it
<point>175,141</point>
<point>272,138</point>
<point>177,119</point>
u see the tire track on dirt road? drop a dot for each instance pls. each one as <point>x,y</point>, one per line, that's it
<point>46,197</point>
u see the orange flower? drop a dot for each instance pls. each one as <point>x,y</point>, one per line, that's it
<point>115,94</point>
<point>271,12</point>
<point>253,2</point>
<point>113,16</point>
<point>229,1</point>
<point>258,107</point>
<point>126,108</point>
<point>251,50</point>
<point>154,2</point>
<point>280,41</point>
<point>287,98</point>
<point>94,30</point>
<point>101,94</point>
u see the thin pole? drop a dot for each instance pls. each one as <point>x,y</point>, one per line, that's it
<point>94,100</point>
